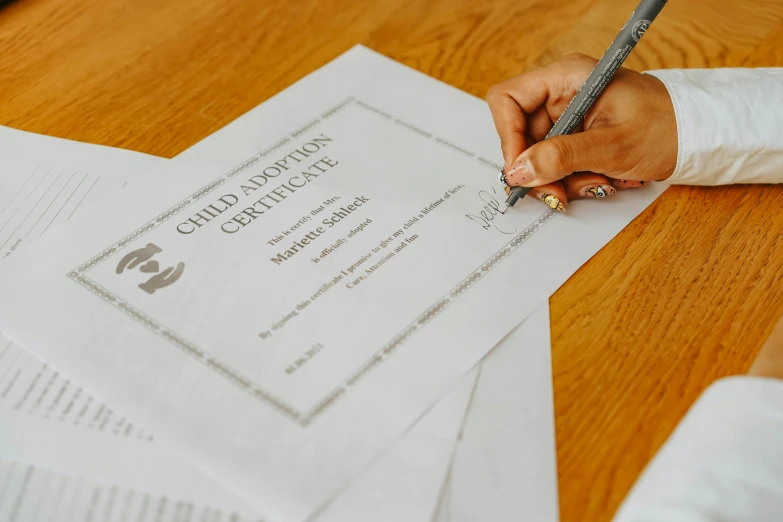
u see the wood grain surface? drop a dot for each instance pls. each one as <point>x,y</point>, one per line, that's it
<point>684,295</point>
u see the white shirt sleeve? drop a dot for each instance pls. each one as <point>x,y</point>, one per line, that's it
<point>723,463</point>
<point>729,125</point>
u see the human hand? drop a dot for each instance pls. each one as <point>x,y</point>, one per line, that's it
<point>629,137</point>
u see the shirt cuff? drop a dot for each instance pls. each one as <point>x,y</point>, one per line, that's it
<point>728,124</point>
<point>724,462</point>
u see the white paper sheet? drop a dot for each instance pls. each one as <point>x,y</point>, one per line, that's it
<point>505,467</point>
<point>45,418</point>
<point>32,494</point>
<point>43,181</point>
<point>260,371</point>
<point>32,387</point>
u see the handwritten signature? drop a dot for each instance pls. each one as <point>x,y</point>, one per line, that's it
<point>489,216</point>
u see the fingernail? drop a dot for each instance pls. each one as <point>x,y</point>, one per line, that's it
<point>518,173</point>
<point>625,183</point>
<point>598,191</point>
<point>552,202</point>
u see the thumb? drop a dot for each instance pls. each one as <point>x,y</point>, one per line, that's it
<point>547,161</point>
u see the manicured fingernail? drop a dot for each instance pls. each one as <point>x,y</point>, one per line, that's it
<point>518,173</point>
<point>598,191</point>
<point>626,183</point>
<point>552,201</point>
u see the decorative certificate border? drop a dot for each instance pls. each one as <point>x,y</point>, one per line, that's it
<point>303,418</point>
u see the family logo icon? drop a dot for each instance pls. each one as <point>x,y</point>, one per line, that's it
<point>142,258</point>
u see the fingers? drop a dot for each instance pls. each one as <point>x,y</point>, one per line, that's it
<point>539,125</point>
<point>529,91</point>
<point>582,185</point>
<point>585,185</point>
<point>622,184</point>
<point>514,101</point>
<point>553,195</point>
<point>510,123</point>
<point>556,83</point>
<point>595,150</point>
<point>530,102</point>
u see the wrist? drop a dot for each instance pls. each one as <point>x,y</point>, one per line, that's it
<point>667,140</point>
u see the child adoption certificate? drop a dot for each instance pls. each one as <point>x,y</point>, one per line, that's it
<point>293,293</point>
<point>47,423</point>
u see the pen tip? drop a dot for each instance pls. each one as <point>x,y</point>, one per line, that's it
<point>504,209</point>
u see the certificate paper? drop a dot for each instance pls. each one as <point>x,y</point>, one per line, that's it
<point>66,454</point>
<point>292,294</point>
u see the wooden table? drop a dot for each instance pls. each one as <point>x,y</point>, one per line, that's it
<point>684,295</point>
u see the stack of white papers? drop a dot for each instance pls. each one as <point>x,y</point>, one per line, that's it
<point>295,307</point>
